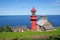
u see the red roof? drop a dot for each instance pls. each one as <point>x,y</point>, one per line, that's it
<point>33,10</point>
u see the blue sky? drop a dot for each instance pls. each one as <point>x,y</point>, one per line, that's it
<point>23,7</point>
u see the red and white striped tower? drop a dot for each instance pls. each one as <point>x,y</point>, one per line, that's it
<point>33,19</point>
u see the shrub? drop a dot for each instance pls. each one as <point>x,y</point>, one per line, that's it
<point>7,28</point>
<point>1,29</point>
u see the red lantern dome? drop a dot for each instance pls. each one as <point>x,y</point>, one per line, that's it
<point>33,10</point>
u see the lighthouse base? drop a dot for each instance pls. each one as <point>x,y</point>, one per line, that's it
<point>33,25</point>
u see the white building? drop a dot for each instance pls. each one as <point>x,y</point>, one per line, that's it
<point>44,25</point>
<point>19,29</point>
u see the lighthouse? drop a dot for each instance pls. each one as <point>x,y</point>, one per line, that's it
<point>33,19</point>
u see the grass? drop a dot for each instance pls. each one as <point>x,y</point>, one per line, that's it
<point>28,34</point>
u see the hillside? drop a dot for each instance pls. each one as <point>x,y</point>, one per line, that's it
<point>28,34</point>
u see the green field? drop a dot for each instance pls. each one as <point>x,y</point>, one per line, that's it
<point>28,34</point>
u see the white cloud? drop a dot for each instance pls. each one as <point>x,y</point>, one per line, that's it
<point>14,12</point>
<point>55,3</point>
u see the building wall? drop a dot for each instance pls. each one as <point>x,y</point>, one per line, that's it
<point>50,29</point>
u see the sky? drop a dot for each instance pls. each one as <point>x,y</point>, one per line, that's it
<point>23,7</point>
